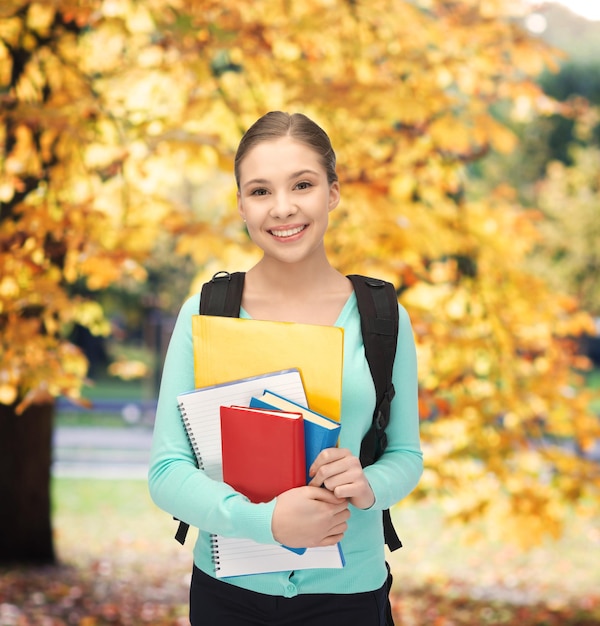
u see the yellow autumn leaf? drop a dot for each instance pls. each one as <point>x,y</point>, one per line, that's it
<point>90,314</point>
<point>128,369</point>
<point>450,134</point>
<point>488,131</point>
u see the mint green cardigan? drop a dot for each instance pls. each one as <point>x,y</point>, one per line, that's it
<point>178,487</point>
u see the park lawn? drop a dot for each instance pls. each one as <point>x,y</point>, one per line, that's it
<point>112,530</point>
<point>105,387</point>
<point>121,566</point>
<point>95,518</point>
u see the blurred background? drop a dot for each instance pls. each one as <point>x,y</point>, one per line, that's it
<point>468,142</point>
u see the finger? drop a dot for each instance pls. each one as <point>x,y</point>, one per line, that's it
<point>327,456</point>
<point>326,470</point>
<point>336,473</point>
<point>338,512</point>
<point>336,534</point>
<point>317,481</point>
<point>340,522</point>
<point>350,478</point>
<point>324,495</point>
<point>331,540</point>
<point>344,491</point>
<point>338,529</point>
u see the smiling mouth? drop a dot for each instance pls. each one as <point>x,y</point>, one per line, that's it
<point>287,232</point>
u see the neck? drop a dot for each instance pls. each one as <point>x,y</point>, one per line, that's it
<point>311,292</point>
<point>293,278</point>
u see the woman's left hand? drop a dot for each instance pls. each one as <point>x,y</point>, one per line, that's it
<point>341,472</point>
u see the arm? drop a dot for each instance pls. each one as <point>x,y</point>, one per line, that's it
<point>306,516</point>
<point>400,467</point>
<point>176,484</point>
<point>398,470</point>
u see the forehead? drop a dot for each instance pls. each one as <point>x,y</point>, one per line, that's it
<point>275,157</point>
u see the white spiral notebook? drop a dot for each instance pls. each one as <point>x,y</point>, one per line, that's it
<point>239,557</point>
<point>200,411</point>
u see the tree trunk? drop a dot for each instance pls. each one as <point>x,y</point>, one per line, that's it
<point>25,460</point>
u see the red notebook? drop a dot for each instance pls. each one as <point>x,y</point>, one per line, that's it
<point>263,451</point>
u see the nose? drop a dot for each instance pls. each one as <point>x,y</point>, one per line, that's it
<point>283,206</point>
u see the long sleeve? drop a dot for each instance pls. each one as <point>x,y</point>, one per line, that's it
<point>179,487</point>
<point>399,469</point>
<point>176,484</point>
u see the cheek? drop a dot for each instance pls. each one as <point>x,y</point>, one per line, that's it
<point>251,222</point>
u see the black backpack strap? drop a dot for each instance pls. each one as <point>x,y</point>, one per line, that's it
<point>378,308</point>
<point>222,295</point>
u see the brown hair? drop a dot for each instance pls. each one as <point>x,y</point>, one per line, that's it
<point>277,124</point>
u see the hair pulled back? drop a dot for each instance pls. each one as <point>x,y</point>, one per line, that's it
<point>277,124</point>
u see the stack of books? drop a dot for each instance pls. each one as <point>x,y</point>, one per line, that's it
<point>256,431</point>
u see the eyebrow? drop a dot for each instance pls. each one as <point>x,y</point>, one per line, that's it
<point>264,181</point>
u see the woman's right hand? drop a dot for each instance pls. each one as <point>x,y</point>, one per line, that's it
<point>307,517</point>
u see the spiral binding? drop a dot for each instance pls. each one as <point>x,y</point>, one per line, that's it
<point>188,430</point>
<point>214,552</point>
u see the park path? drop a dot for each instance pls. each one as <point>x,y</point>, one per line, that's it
<point>121,453</point>
<point>100,452</point>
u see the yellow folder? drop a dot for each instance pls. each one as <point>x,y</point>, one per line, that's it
<point>227,348</point>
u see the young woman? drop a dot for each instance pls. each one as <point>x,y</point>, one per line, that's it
<point>287,186</point>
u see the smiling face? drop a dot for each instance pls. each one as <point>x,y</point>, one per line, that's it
<point>285,198</point>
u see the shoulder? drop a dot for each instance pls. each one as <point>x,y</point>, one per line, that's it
<point>403,315</point>
<point>375,296</point>
<point>191,306</point>
<point>406,339</point>
<point>188,308</point>
<point>373,283</point>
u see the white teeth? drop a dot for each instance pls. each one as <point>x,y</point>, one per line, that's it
<point>288,232</point>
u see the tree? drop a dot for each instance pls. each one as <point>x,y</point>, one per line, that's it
<point>111,110</point>
<point>61,170</point>
<point>553,169</point>
<point>567,253</point>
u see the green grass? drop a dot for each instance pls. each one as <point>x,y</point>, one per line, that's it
<point>86,418</point>
<point>112,527</point>
<point>118,389</point>
<point>100,513</point>
<point>115,389</point>
<point>593,378</point>
<point>106,387</point>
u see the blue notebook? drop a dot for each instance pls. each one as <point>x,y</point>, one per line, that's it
<point>320,432</point>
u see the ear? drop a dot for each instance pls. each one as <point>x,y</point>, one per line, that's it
<point>334,195</point>
<point>240,207</point>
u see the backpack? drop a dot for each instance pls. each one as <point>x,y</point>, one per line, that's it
<point>378,308</point>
